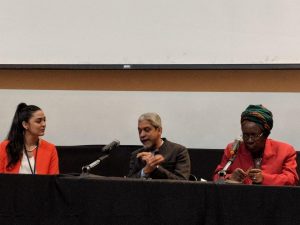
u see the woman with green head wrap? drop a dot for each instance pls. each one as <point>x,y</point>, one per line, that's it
<point>259,159</point>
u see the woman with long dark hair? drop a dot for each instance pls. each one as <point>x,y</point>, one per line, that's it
<point>24,152</point>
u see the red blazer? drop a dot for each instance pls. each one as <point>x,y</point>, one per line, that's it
<point>46,163</point>
<point>278,163</point>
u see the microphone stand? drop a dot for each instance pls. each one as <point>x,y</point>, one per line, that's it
<point>86,169</point>
<point>222,173</point>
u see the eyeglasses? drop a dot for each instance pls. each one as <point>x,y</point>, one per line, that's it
<point>253,136</point>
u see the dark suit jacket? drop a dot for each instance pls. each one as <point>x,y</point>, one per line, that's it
<point>176,165</point>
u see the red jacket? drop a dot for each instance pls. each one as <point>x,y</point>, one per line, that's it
<point>278,163</point>
<point>46,163</point>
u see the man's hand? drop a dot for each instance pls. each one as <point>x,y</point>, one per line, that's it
<point>152,161</point>
<point>145,156</point>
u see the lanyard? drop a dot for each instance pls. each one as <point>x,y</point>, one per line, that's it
<point>35,157</point>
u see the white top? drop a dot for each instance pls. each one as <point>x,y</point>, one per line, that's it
<point>25,168</point>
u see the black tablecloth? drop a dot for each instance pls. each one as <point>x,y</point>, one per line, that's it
<point>60,200</point>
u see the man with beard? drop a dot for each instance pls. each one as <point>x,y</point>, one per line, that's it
<point>259,159</point>
<point>159,158</point>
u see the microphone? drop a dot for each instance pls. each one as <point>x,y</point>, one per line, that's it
<point>106,149</point>
<point>235,146</point>
<point>111,146</point>
<point>233,152</point>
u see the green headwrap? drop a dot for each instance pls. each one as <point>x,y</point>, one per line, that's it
<point>260,115</point>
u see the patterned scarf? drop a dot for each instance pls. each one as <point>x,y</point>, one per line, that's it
<point>259,115</point>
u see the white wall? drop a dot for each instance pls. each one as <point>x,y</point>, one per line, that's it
<point>149,32</point>
<point>194,119</point>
